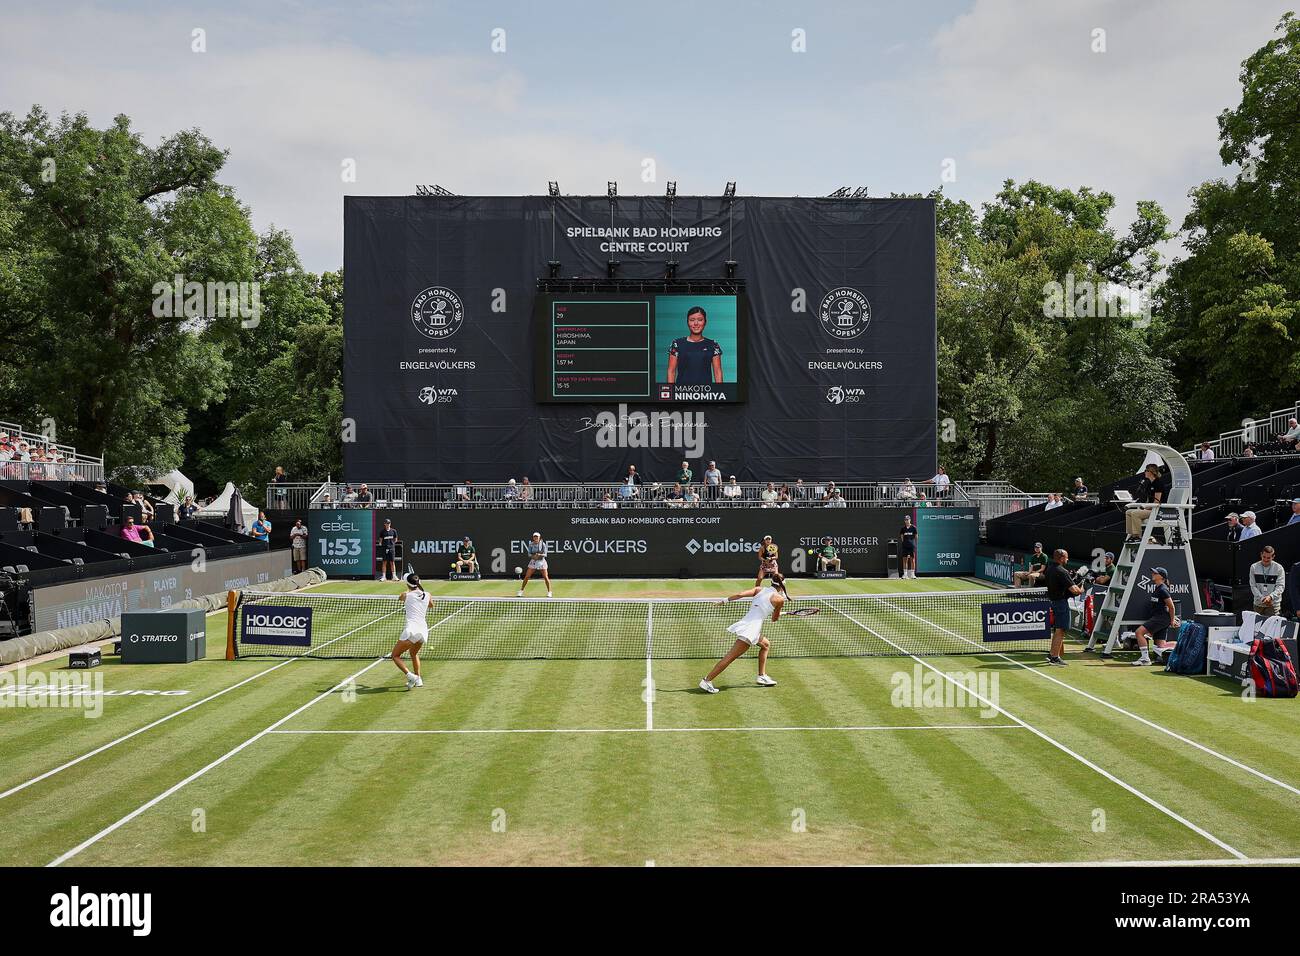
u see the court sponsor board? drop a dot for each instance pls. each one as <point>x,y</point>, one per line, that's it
<point>1015,620</point>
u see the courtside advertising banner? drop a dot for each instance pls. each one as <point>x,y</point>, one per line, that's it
<point>1016,621</point>
<point>275,624</point>
<point>950,535</point>
<point>484,338</point>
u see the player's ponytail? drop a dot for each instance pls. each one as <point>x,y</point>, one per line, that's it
<point>412,580</point>
<point>778,582</point>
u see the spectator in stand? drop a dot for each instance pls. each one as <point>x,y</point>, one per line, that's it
<point>712,481</point>
<point>101,487</point>
<point>1150,490</point>
<point>525,491</point>
<point>510,493</point>
<point>146,536</point>
<point>1295,512</point>
<point>1108,570</point>
<point>830,492</point>
<point>298,546</point>
<point>1060,585</point>
<point>835,501</point>
<point>364,497</point>
<point>608,502</point>
<point>783,497</point>
<point>1205,452</point>
<point>907,492</point>
<point>279,479</point>
<point>1053,502</point>
<point>1248,452</point>
<point>326,500</point>
<point>684,474</point>
<point>675,498</point>
<point>129,530</point>
<point>1289,438</point>
<point>731,491</point>
<point>801,493</point>
<point>692,497</point>
<point>1078,491</point>
<point>632,479</point>
<point>941,483</point>
<point>1031,575</point>
<point>1249,528</point>
<point>1267,583</point>
<point>770,496</point>
<point>188,508</point>
<point>1234,526</point>
<point>261,529</point>
<point>146,506</point>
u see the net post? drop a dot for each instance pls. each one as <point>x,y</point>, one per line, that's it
<point>232,601</point>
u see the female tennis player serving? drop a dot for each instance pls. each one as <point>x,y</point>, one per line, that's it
<point>749,629</point>
<point>416,601</point>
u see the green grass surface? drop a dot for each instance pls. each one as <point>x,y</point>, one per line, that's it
<point>551,761</point>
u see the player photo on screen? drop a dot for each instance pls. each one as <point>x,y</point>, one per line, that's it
<point>696,344</point>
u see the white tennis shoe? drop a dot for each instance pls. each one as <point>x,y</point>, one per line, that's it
<point>410,680</point>
<point>419,681</point>
<point>764,681</point>
<point>707,687</point>
<point>549,594</point>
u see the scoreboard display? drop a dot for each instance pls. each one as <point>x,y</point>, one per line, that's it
<point>641,348</point>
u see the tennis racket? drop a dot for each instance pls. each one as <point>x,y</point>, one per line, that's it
<point>804,612</point>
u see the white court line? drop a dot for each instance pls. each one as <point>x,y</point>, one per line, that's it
<point>176,713</point>
<point>198,773</point>
<point>655,730</point>
<point>1107,864</point>
<point>649,692</point>
<point>226,756</point>
<point>1055,743</point>
<point>1115,707</point>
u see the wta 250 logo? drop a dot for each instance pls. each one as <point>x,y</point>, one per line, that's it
<point>845,313</point>
<point>437,312</point>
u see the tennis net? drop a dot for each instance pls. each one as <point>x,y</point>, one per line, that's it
<point>315,624</point>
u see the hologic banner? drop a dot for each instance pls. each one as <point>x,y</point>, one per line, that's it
<point>157,589</point>
<point>441,352</point>
<point>1016,620</point>
<point>658,542</point>
<point>275,624</point>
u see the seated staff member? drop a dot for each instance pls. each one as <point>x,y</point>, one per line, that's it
<point>1035,565</point>
<point>769,556</point>
<point>1267,583</point>
<point>466,558</point>
<point>1160,619</point>
<point>387,550</point>
<point>536,562</point>
<point>828,558</point>
<point>907,548</point>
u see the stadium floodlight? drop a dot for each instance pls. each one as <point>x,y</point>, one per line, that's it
<point>730,191</point>
<point>611,190</point>
<point>730,266</point>
<point>611,268</point>
<point>553,189</point>
<point>554,268</point>
<point>670,269</point>
<point>841,193</point>
<point>859,193</point>
<point>672,190</point>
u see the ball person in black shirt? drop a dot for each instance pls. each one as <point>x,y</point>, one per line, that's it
<point>907,548</point>
<point>1162,617</point>
<point>1060,585</point>
<point>693,359</point>
<point>388,551</point>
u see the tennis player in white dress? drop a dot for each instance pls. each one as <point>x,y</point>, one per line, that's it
<point>765,603</point>
<point>417,601</point>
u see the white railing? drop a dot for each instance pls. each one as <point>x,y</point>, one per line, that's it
<point>1232,444</point>
<point>51,471</point>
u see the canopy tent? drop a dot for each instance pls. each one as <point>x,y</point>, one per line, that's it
<point>219,508</point>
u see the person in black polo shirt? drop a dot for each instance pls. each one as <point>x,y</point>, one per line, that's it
<point>907,548</point>
<point>1160,619</point>
<point>387,551</point>
<point>1060,585</point>
<point>694,359</point>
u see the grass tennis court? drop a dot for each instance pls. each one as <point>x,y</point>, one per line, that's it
<point>847,761</point>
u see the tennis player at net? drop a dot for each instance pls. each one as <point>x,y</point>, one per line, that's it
<point>536,562</point>
<point>466,558</point>
<point>764,603</point>
<point>416,601</point>
<point>828,558</point>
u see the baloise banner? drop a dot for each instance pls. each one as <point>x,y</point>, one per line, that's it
<point>816,361</point>
<point>652,543</point>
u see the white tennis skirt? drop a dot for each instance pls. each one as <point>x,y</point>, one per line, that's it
<point>537,564</point>
<point>415,637</point>
<point>747,629</point>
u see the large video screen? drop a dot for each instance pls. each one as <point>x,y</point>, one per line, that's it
<point>641,348</point>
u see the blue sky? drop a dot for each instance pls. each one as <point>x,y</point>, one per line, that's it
<point>884,94</point>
